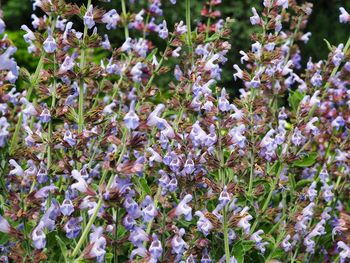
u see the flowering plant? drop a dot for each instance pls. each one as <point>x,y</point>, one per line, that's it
<point>100,162</point>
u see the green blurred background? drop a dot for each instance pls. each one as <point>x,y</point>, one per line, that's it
<point>323,23</point>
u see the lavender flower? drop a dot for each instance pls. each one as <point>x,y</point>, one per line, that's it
<point>49,44</point>
<point>184,209</point>
<point>131,120</point>
<point>344,16</point>
<point>111,19</point>
<point>89,17</point>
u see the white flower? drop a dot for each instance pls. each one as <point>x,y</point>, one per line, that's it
<point>344,16</point>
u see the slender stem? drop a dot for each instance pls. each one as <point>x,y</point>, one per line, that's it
<point>126,29</point>
<point>222,177</point>
<point>116,236</point>
<point>81,87</point>
<point>53,103</point>
<point>226,241</point>
<point>327,85</point>
<point>100,200</point>
<point>189,31</point>
<point>33,83</point>
<point>268,199</point>
<point>207,29</point>
<point>292,39</point>
<point>252,152</point>
<point>156,201</point>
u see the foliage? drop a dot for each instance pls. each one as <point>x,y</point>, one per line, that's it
<point>119,142</point>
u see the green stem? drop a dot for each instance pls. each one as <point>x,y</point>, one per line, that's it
<point>226,241</point>
<point>268,199</point>
<point>53,103</point>
<point>100,200</point>
<point>116,236</point>
<point>156,201</point>
<point>188,23</point>
<point>207,29</point>
<point>126,29</point>
<point>252,152</point>
<point>33,83</point>
<point>81,87</point>
<point>328,84</point>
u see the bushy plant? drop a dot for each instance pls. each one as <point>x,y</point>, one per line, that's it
<point>100,163</point>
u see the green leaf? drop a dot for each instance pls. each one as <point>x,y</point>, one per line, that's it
<point>3,238</point>
<point>306,161</point>
<point>272,170</point>
<point>292,180</point>
<point>62,247</point>
<point>294,99</point>
<point>213,37</point>
<point>144,185</point>
<point>109,257</point>
<point>238,251</point>
<point>328,44</point>
<point>302,183</point>
<point>150,55</point>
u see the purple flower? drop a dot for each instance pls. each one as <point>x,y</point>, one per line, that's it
<point>316,79</point>
<point>344,16</point>
<point>89,17</point>
<point>81,185</point>
<point>131,120</point>
<point>149,210</point>
<point>17,169</point>
<point>306,37</point>
<point>45,116</point>
<point>136,72</point>
<point>244,221</point>
<point>49,44</point>
<point>338,55</point>
<point>61,23</point>
<point>311,128</point>
<point>255,19</point>
<point>106,44</point>
<point>43,193</point>
<point>327,193</point>
<point>132,207</point>
<point>338,122</point>
<point>345,251</point>
<point>224,197</point>
<point>163,30</point>
<point>286,245</point>
<point>2,26</point>
<point>111,19</point>
<point>224,104</point>
<point>203,224</point>
<point>98,247</point>
<point>184,209</point>
<point>39,237</point>
<point>178,245</point>
<point>4,225</point>
<point>67,64</point>
<point>29,36</point>
<point>67,207</point>
<point>312,192</point>
<point>283,3</point>
<point>138,236</point>
<point>239,73</point>
<point>155,248</point>
<point>181,28</point>
<point>129,222</point>
<point>141,47</point>
<point>72,227</point>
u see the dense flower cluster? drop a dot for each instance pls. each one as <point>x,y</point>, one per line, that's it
<point>100,162</point>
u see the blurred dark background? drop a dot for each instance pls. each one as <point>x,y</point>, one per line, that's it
<point>324,23</point>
